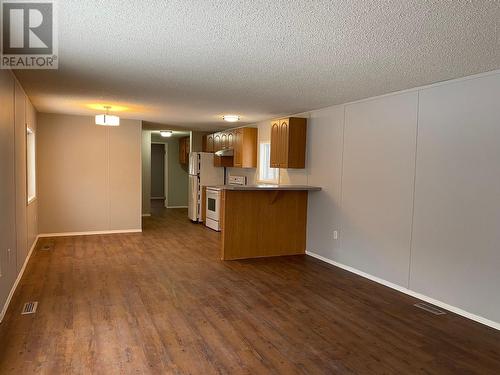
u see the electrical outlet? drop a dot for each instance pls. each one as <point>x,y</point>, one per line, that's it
<point>335,235</point>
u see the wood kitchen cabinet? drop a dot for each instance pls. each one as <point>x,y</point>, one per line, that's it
<point>245,147</point>
<point>238,157</point>
<point>223,140</point>
<point>204,145</point>
<point>224,143</point>
<point>275,143</point>
<point>184,149</point>
<point>223,161</point>
<point>208,143</point>
<point>288,143</point>
<point>247,235</point>
<point>217,142</point>
<point>243,142</point>
<point>230,139</point>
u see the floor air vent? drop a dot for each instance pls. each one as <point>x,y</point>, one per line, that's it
<point>47,246</point>
<point>429,308</point>
<point>29,308</point>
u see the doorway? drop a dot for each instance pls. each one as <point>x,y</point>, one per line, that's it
<point>159,175</point>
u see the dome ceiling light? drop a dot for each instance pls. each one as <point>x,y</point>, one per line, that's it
<point>231,118</point>
<point>166,133</point>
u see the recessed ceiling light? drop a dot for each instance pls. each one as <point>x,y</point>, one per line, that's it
<point>166,133</point>
<point>231,118</point>
<point>107,119</point>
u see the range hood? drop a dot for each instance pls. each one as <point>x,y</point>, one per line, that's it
<point>225,152</point>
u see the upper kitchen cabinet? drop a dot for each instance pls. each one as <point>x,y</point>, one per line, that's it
<point>288,143</point>
<point>245,147</point>
<point>184,149</point>
<point>243,143</point>
<point>223,140</point>
<point>223,161</point>
<point>208,143</point>
<point>230,139</point>
<point>217,142</point>
<point>226,140</point>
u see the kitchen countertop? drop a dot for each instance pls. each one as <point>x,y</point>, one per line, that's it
<point>266,187</point>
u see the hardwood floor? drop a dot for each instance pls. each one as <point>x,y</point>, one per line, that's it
<point>162,302</point>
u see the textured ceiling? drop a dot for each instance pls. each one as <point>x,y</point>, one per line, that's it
<point>187,63</point>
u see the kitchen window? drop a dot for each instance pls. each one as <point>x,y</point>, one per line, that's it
<point>31,164</point>
<point>266,173</point>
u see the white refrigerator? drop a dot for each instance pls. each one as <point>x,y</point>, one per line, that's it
<point>201,173</point>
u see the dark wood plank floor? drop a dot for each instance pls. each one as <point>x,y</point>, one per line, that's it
<point>161,302</point>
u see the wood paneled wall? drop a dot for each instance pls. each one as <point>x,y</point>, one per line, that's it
<point>89,176</point>
<point>18,220</point>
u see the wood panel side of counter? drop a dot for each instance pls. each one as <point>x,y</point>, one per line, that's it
<point>263,223</point>
<point>204,204</point>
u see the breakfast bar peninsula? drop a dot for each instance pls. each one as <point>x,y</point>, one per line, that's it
<point>263,220</point>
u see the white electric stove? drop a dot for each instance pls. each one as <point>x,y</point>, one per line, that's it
<point>213,202</point>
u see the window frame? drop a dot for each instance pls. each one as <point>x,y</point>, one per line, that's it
<point>31,191</point>
<point>262,162</point>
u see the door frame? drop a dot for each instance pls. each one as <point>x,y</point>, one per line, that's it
<point>165,171</point>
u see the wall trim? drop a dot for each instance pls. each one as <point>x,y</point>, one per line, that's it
<point>18,279</point>
<point>177,207</point>
<point>409,292</point>
<point>146,215</point>
<point>91,233</point>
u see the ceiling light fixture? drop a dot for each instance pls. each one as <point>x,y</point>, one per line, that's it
<point>107,119</point>
<point>231,118</point>
<point>166,133</point>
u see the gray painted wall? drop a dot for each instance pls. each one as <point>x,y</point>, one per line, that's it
<point>456,246</point>
<point>363,155</point>
<point>325,136</point>
<point>177,173</point>
<point>377,185</point>
<point>146,171</point>
<point>177,177</point>
<point>157,170</point>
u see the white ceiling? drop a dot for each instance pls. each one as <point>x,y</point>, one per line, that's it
<point>187,63</point>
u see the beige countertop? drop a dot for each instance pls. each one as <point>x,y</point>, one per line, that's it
<point>266,187</point>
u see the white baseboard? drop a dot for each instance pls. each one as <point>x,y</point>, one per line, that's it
<point>93,233</point>
<point>177,207</point>
<point>146,215</point>
<point>410,292</point>
<point>18,279</point>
